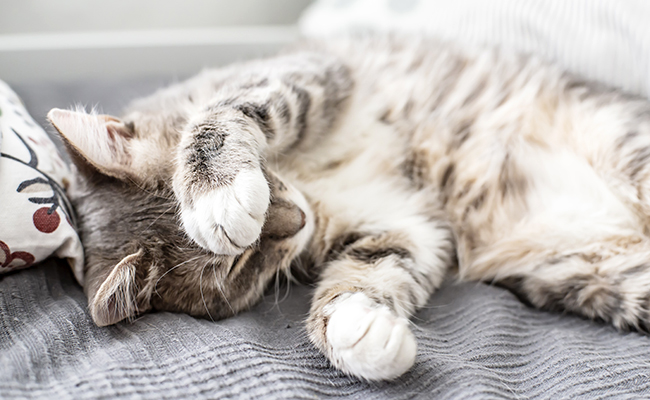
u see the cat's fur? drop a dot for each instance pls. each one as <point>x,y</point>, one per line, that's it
<point>378,162</point>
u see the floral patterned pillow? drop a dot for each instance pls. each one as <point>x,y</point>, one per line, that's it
<point>36,218</point>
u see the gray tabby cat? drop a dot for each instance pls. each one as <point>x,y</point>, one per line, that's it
<point>379,163</point>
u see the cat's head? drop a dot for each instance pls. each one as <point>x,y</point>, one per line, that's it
<point>137,256</point>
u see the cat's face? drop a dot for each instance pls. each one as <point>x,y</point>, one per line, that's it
<point>138,258</point>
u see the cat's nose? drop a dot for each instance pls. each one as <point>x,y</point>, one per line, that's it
<point>284,219</point>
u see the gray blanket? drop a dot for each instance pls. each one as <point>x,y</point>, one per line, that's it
<point>475,341</point>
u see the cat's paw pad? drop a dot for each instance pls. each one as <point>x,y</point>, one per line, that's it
<point>368,340</point>
<point>229,218</point>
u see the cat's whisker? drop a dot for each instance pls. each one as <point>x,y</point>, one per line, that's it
<point>150,193</point>
<point>287,274</point>
<point>276,285</point>
<point>279,273</point>
<point>220,288</point>
<point>201,289</point>
<point>170,270</point>
<point>160,216</point>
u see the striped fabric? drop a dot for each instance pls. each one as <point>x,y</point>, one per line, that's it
<point>605,40</point>
<point>475,341</point>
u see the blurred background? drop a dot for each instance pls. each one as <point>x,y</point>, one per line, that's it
<point>55,53</point>
<point>73,39</point>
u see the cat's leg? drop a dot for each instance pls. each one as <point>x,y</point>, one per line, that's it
<point>265,108</point>
<point>609,281</point>
<point>373,282</point>
<point>579,241</point>
<point>594,258</point>
<point>572,242</point>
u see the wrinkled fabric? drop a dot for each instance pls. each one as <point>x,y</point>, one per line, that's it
<point>475,341</point>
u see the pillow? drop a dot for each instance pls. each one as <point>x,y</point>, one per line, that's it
<point>36,218</point>
<point>604,40</point>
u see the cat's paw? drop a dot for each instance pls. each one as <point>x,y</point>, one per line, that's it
<point>229,218</point>
<point>368,340</point>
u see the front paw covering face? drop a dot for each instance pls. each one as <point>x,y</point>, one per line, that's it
<point>138,258</point>
<point>229,218</point>
<point>195,281</point>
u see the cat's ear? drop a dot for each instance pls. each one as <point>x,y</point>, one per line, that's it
<point>102,141</point>
<point>118,297</point>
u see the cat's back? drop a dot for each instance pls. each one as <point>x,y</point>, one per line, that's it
<point>416,94</point>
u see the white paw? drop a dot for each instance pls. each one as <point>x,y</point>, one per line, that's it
<point>368,340</point>
<point>228,219</point>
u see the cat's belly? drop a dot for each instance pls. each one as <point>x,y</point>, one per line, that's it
<point>537,203</point>
<point>513,196</point>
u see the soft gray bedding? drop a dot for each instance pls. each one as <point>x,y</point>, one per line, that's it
<point>476,341</point>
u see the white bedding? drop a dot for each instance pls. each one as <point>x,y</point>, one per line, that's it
<point>604,40</point>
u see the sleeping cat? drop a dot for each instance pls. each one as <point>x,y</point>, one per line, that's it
<point>376,163</point>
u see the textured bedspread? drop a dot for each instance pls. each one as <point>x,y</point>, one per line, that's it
<point>476,341</point>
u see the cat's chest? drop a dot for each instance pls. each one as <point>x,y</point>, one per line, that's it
<point>361,149</point>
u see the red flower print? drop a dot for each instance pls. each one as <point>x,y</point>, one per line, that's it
<point>16,259</point>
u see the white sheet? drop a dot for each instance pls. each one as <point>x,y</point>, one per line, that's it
<point>605,40</point>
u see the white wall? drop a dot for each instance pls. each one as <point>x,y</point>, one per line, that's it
<point>25,16</point>
<point>65,40</point>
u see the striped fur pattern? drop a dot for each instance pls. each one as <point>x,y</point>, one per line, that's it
<point>377,163</point>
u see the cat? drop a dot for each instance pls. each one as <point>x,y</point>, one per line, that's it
<point>377,163</point>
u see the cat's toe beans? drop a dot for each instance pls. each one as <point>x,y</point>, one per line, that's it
<point>369,340</point>
<point>229,218</point>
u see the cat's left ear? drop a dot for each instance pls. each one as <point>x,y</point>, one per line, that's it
<point>102,141</point>
<point>122,294</point>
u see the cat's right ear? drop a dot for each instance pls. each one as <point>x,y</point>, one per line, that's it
<point>101,141</point>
